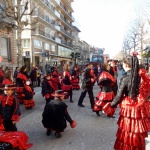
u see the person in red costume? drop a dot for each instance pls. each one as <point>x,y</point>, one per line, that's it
<point>28,95</point>
<point>55,115</point>
<point>20,80</point>
<point>75,78</point>
<point>88,80</point>
<point>8,78</point>
<point>10,108</point>
<point>47,88</point>
<point>67,82</point>
<point>2,74</point>
<point>55,78</point>
<point>106,83</point>
<point>132,97</point>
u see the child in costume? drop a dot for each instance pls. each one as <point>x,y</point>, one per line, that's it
<point>55,115</point>
<point>28,95</point>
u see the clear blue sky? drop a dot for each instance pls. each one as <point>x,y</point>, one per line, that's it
<point>103,23</point>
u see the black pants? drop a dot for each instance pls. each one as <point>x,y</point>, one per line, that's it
<point>38,81</point>
<point>82,96</point>
<point>9,126</point>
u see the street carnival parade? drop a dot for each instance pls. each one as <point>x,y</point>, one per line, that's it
<point>59,92</point>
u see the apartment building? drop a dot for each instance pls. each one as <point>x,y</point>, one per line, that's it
<point>8,52</point>
<point>51,42</point>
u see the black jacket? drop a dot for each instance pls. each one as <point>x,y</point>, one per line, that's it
<point>123,90</point>
<point>86,79</point>
<point>46,88</point>
<point>55,115</point>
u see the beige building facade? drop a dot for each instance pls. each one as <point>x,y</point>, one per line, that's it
<point>8,52</point>
<point>51,42</point>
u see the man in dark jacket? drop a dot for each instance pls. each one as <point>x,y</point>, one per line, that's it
<point>88,80</point>
<point>55,115</point>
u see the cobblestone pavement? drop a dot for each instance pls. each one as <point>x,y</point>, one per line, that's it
<point>92,132</point>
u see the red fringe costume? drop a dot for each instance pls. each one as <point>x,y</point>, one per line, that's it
<point>134,120</point>
<point>21,78</point>
<point>75,80</point>
<point>16,139</point>
<point>28,98</point>
<point>55,80</point>
<point>106,81</point>
<point>66,83</point>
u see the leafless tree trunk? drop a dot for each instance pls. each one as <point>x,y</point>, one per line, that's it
<point>15,13</point>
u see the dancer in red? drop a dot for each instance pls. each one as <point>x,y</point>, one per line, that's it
<point>67,82</point>
<point>106,82</point>
<point>28,95</point>
<point>20,80</point>
<point>55,78</point>
<point>75,79</point>
<point>132,97</point>
<point>8,78</point>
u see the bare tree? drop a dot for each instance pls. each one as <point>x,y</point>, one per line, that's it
<point>18,14</point>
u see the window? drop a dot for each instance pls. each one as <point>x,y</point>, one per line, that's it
<point>26,43</point>
<point>3,46</point>
<point>37,43</point>
<point>47,46</point>
<point>53,48</point>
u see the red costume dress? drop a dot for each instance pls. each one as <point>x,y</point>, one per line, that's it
<point>106,82</point>
<point>55,80</point>
<point>13,140</point>
<point>28,96</point>
<point>66,83</point>
<point>21,78</point>
<point>134,120</point>
<point>75,80</point>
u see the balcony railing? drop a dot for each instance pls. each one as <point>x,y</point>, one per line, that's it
<point>69,34</point>
<point>55,11</point>
<point>58,40</point>
<point>51,22</point>
<point>67,11</point>
<point>44,17</point>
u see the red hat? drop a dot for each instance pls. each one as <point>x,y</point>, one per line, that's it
<point>9,87</point>
<point>59,93</point>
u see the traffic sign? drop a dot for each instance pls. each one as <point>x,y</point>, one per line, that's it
<point>27,54</point>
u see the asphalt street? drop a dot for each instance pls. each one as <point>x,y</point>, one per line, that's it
<point>91,133</point>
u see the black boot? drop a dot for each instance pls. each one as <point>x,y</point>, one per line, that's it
<point>97,113</point>
<point>58,134</point>
<point>48,133</point>
<point>71,101</point>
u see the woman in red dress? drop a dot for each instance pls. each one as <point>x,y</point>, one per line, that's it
<point>8,78</point>
<point>55,78</point>
<point>75,79</point>
<point>132,97</point>
<point>20,80</point>
<point>66,82</point>
<point>106,82</point>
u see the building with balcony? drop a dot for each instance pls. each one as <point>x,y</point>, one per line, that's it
<point>8,52</point>
<point>51,41</point>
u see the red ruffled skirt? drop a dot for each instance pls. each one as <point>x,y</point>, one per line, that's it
<point>133,125</point>
<point>66,88</point>
<point>75,84</point>
<point>102,101</point>
<point>16,139</point>
<point>29,103</point>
